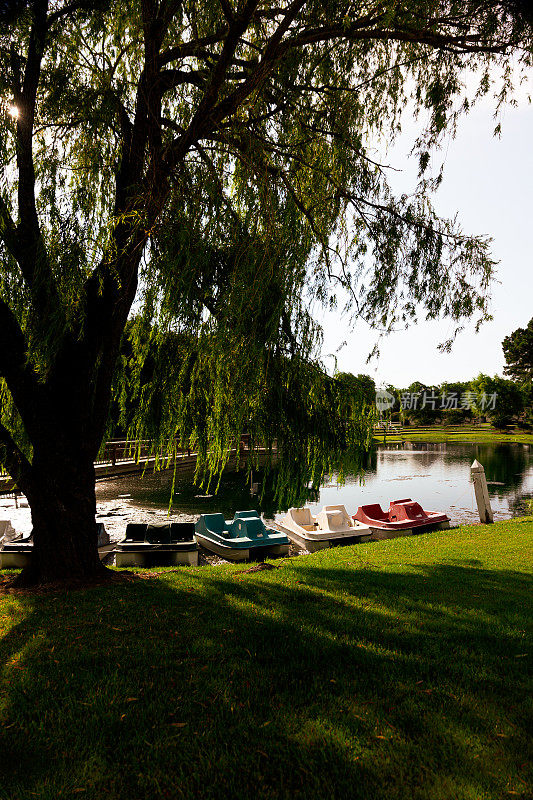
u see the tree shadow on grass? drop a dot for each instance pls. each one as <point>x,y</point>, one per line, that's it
<point>306,682</point>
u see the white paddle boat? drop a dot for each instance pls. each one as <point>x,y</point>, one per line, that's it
<point>331,527</point>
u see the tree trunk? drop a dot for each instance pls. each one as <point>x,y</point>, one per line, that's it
<point>62,499</point>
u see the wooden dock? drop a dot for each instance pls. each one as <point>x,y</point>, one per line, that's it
<point>120,457</point>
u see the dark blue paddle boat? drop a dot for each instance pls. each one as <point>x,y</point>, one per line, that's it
<point>157,545</point>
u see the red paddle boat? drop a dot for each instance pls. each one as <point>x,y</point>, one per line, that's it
<point>403,516</point>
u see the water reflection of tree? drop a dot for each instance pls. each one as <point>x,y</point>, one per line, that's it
<point>232,494</point>
<point>366,464</point>
<point>505,463</point>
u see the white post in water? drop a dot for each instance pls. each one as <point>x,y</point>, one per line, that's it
<point>482,493</point>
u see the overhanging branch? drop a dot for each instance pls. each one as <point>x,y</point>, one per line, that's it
<point>456,43</point>
<point>194,48</point>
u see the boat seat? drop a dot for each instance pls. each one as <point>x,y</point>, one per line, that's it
<point>406,509</point>
<point>182,531</point>
<point>247,515</point>
<point>102,535</point>
<point>302,517</point>
<point>374,511</point>
<point>6,529</point>
<point>248,526</point>
<point>334,518</point>
<point>216,523</point>
<point>158,534</point>
<point>135,532</point>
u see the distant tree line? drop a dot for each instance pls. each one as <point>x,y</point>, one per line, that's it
<point>500,401</point>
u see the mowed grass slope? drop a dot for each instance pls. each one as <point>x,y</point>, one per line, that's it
<point>397,669</point>
<point>484,434</point>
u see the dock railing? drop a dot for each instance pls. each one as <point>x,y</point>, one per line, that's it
<point>122,456</point>
<point>120,451</point>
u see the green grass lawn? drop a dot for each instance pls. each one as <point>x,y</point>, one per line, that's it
<point>396,669</point>
<point>484,434</point>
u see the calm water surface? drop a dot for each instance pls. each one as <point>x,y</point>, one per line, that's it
<point>436,475</point>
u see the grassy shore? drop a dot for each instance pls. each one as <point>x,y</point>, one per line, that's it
<point>392,670</point>
<point>484,434</point>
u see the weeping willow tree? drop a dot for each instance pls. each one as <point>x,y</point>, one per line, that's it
<point>209,164</point>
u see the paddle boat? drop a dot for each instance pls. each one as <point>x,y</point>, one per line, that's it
<point>157,545</point>
<point>7,531</point>
<point>15,552</point>
<point>331,527</point>
<point>241,538</point>
<point>403,518</point>
<point>105,545</point>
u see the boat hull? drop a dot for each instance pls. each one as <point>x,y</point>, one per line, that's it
<point>378,533</point>
<point>238,553</point>
<point>304,543</point>
<point>313,545</point>
<point>13,558</point>
<point>151,558</point>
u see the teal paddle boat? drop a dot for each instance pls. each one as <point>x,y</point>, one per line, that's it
<point>246,536</point>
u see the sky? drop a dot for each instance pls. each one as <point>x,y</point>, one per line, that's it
<point>488,182</point>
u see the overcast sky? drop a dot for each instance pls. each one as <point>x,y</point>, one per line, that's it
<point>489,183</point>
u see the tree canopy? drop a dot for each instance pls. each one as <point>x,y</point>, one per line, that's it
<point>518,352</point>
<point>212,163</point>
<point>507,399</point>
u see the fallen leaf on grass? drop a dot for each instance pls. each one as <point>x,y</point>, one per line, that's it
<point>259,567</point>
<point>178,724</point>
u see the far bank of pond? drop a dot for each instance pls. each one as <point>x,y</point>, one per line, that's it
<point>479,434</point>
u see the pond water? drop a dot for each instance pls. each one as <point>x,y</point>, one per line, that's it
<point>436,475</point>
